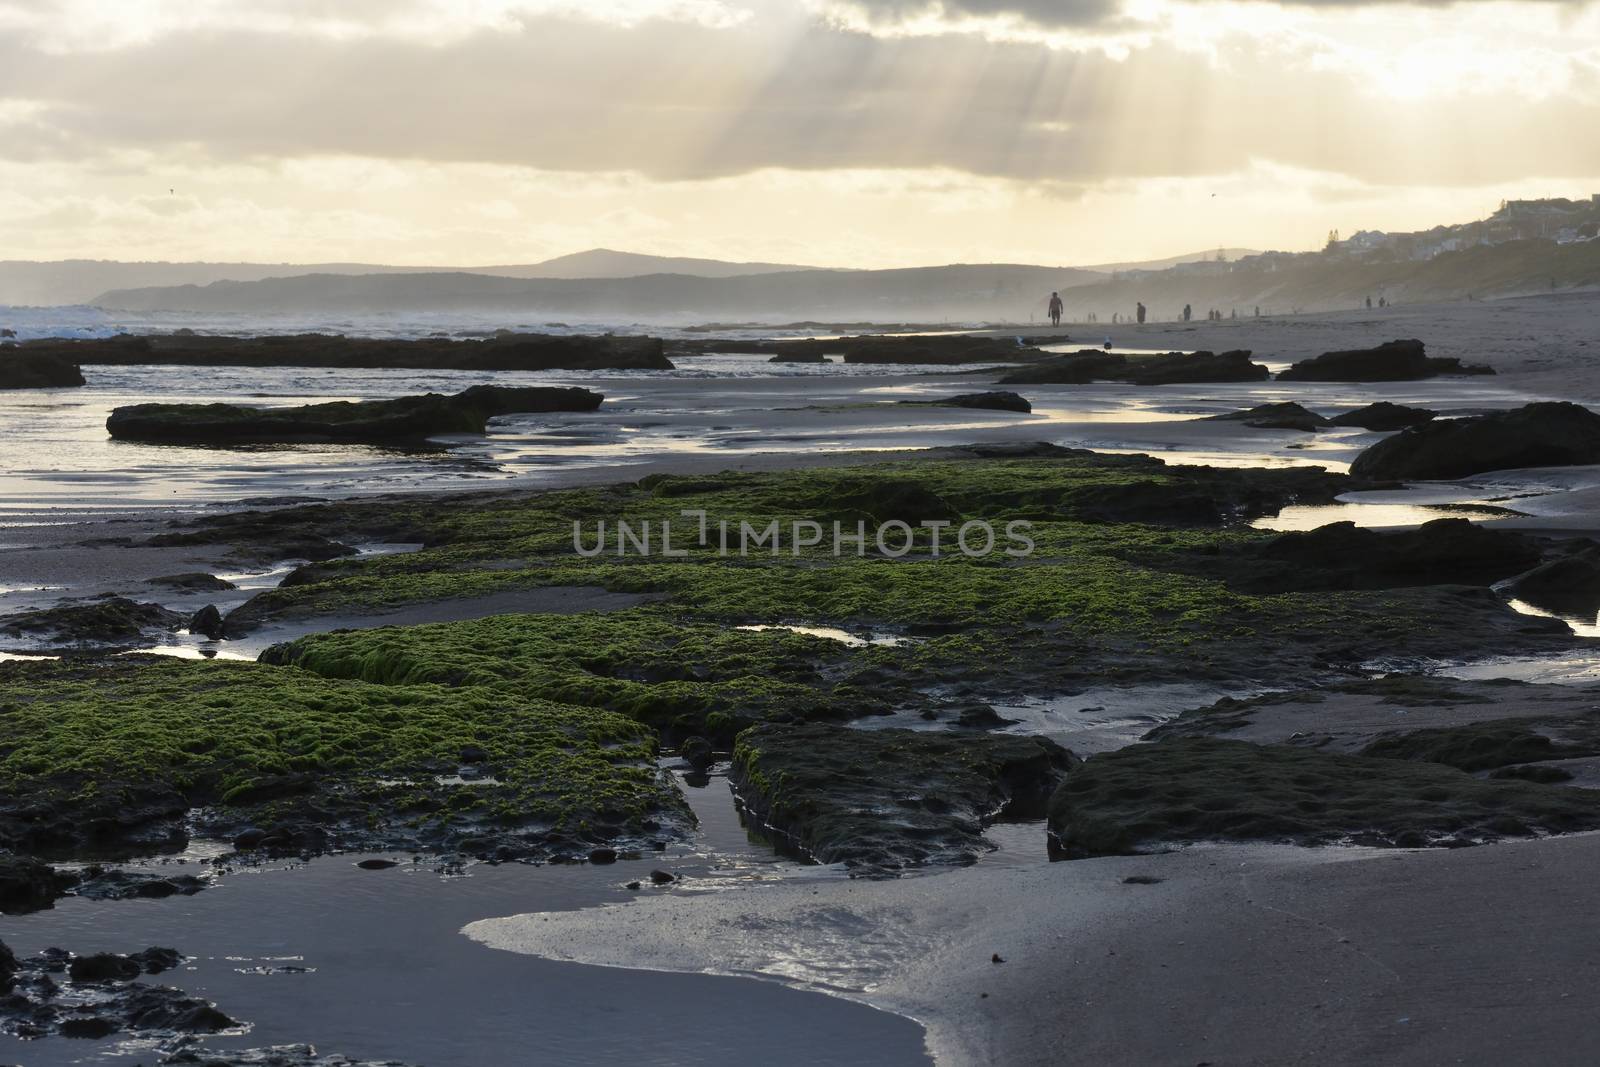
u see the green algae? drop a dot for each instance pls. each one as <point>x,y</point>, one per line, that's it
<point>81,737</point>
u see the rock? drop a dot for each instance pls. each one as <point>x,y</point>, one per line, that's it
<point>1179,368</point>
<point>107,621</point>
<point>102,967</point>
<point>944,350</point>
<point>207,622</point>
<point>473,754</point>
<point>511,351</point>
<point>377,865</point>
<point>1155,794</point>
<point>799,357</point>
<point>603,855</point>
<point>28,884</point>
<point>154,960</point>
<point>1342,555</point>
<point>402,419</point>
<point>1392,361</point>
<point>1569,585</point>
<point>982,717</point>
<point>991,401</point>
<point>197,582</point>
<point>1080,368</point>
<point>1282,416</point>
<point>22,369</point>
<point>1534,435</point>
<point>660,877</point>
<point>697,753</point>
<point>879,801</point>
<point>1384,416</point>
<point>249,838</point>
<point>99,883</point>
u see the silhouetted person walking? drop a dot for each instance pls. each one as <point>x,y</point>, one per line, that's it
<point>1055,309</point>
<point>1140,313</point>
<point>1188,312</point>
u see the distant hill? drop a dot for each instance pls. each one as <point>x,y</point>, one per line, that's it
<point>961,292</point>
<point>1228,254</point>
<point>606,263</point>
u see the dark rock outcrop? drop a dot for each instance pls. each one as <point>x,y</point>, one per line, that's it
<point>1078,368</point>
<point>799,357</point>
<point>879,801</point>
<point>997,400</point>
<point>1534,435</point>
<point>21,369</point>
<point>196,582</point>
<point>207,622</point>
<point>509,351</point>
<point>1568,585</point>
<point>107,621</point>
<point>1152,795</point>
<point>408,418</point>
<point>27,884</point>
<point>1175,368</point>
<point>1384,416</point>
<point>939,349</point>
<point>1283,416</point>
<point>1392,361</point>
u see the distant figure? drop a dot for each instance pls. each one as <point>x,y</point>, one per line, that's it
<point>1369,303</point>
<point>1258,311</point>
<point>1383,301</point>
<point>1233,313</point>
<point>1188,312</point>
<point>1107,345</point>
<point>1140,313</point>
<point>1056,308</point>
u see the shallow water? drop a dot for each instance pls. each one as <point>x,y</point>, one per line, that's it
<point>390,975</point>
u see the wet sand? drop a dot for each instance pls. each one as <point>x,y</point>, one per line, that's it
<point>1260,954</point>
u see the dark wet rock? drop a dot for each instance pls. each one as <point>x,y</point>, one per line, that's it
<point>1156,794</point>
<point>889,498</point>
<point>1568,585</point>
<point>274,1056</point>
<point>1383,416</point>
<point>1483,746</point>
<point>103,967</point>
<point>882,800</point>
<point>1342,555</point>
<point>377,865</point>
<point>22,369</point>
<point>992,401</point>
<point>799,357</point>
<point>28,884</point>
<point>1533,772</point>
<point>249,838</point>
<point>697,753</point>
<point>1180,368</point>
<point>1392,361</point>
<point>1078,368</point>
<point>197,582</point>
<point>100,883</point>
<point>1534,435</point>
<point>473,754</point>
<point>406,418</point>
<point>1284,416</point>
<point>510,351</point>
<point>109,620</point>
<point>207,622</point>
<point>660,877</point>
<point>981,717</point>
<point>603,855</point>
<point>1174,368</point>
<point>154,960</point>
<point>944,350</point>
<point>1206,496</point>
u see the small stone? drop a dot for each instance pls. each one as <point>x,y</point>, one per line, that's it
<point>376,865</point>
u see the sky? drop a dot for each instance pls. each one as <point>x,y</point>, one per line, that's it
<point>863,133</point>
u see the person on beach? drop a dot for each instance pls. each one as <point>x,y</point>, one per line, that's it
<point>1055,309</point>
<point>1188,312</point>
<point>1140,313</point>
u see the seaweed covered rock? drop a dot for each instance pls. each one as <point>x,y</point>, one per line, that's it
<point>1392,361</point>
<point>1157,794</point>
<point>879,801</point>
<point>1077,368</point>
<point>1383,416</point>
<point>997,400</point>
<point>119,755</point>
<point>404,419</point>
<point>1282,416</point>
<point>22,369</point>
<point>1484,746</point>
<point>1551,434</point>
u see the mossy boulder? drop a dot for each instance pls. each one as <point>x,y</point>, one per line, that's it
<point>880,801</point>
<point>22,369</point>
<point>1187,789</point>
